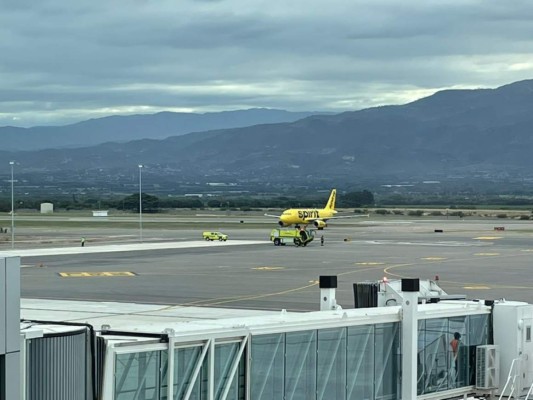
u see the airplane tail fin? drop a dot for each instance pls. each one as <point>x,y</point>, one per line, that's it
<point>330,205</point>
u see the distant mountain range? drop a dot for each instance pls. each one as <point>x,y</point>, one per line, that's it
<point>453,134</point>
<point>131,127</point>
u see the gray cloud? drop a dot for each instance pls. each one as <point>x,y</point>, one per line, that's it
<point>65,61</point>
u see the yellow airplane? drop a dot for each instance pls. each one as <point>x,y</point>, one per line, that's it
<point>317,217</point>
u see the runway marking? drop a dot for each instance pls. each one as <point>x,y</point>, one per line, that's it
<point>527,250</point>
<point>486,254</point>
<point>94,274</point>
<point>124,248</point>
<point>487,237</point>
<point>441,244</point>
<point>433,258</point>
<point>369,263</point>
<point>268,268</point>
<point>387,271</point>
<point>476,287</point>
<point>214,302</point>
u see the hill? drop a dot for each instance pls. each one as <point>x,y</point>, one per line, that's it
<point>462,135</point>
<point>131,127</point>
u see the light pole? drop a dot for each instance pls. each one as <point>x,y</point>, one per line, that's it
<point>140,203</point>
<point>12,163</point>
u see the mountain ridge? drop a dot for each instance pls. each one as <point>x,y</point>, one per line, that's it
<point>463,135</point>
<point>124,128</point>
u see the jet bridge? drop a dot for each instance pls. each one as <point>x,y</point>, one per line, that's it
<point>386,351</point>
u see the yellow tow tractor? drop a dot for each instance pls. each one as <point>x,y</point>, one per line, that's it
<point>300,237</point>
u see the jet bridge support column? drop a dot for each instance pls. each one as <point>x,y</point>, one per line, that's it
<point>328,286</point>
<point>10,328</point>
<point>410,289</point>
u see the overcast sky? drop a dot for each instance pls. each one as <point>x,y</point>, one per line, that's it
<point>63,61</point>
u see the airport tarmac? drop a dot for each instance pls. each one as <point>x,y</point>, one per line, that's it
<point>469,257</point>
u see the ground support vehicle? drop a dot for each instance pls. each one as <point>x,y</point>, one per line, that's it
<point>215,236</point>
<point>299,237</point>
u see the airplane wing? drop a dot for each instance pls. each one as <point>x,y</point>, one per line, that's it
<point>338,217</point>
<point>351,216</point>
<point>270,215</point>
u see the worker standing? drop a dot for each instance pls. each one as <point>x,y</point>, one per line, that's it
<point>82,242</point>
<point>455,344</point>
<point>322,240</point>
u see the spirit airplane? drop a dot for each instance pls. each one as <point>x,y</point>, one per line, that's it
<point>317,217</point>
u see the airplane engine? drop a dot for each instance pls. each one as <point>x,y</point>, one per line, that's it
<point>280,223</point>
<point>320,224</point>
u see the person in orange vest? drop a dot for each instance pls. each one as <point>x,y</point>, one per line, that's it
<point>454,344</point>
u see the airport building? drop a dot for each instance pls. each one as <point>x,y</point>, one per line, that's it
<point>405,340</point>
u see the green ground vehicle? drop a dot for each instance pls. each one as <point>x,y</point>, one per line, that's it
<point>299,237</point>
<point>215,236</point>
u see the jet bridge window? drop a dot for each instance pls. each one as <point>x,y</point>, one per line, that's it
<point>137,375</point>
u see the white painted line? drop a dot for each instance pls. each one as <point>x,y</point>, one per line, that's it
<point>124,247</point>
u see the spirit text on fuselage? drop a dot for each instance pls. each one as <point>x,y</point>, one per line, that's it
<point>308,214</point>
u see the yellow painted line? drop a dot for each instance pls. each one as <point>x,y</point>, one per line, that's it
<point>94,274</point>
<point>433,258</point>
<point>476,287</point>
<point>487,254</point>
<point>488,237</point>
<point>267,268</point>
<point>315,282</point>
<point>369,263</point>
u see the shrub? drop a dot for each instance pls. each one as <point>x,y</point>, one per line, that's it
<point>382,211</point>
<point>415,213</point>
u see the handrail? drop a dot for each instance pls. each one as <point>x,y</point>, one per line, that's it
<point>509,376</point>
<point>529,392</point>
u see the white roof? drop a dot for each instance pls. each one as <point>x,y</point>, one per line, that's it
<point>190,321</point>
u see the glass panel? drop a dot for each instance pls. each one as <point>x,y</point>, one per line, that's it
<point>300,361</point>
<point>478,330</point>
<point>185,360</point>
<point>387,360</point>
<point>459,352</point>
<point>137,376</point>
<point>224,357</point>
<point>267,367</point>
<point>447,351</point>
<point>433,356</point>
<point>420,366</point>
<point>331,365</point>
<point>360,363</point>
<point>241,377</point>
<point>478,334</point>
<point>163,388</point>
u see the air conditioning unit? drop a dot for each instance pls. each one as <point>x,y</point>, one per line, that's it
<point>487,367</point>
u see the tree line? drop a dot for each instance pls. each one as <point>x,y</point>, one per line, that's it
<point>151,203</point>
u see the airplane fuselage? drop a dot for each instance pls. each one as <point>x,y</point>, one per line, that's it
<point>304,216</point>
